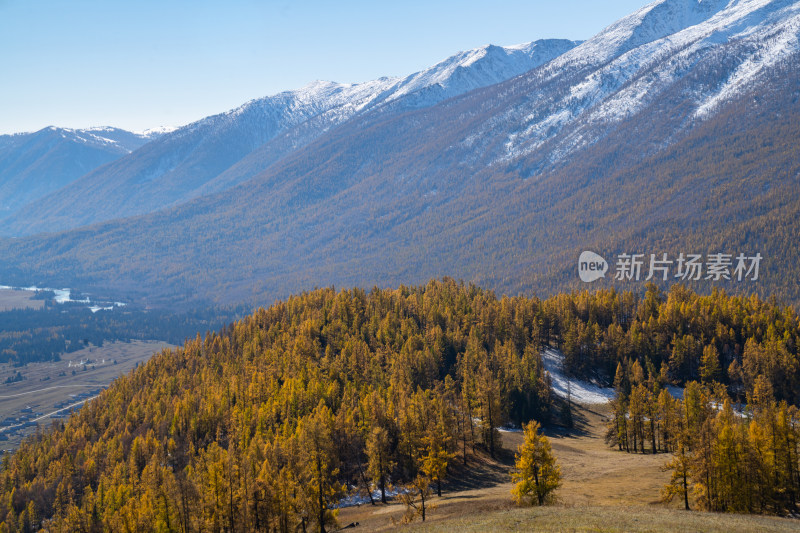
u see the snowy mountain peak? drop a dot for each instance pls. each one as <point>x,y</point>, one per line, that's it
<point>108,137</point>
<point>650,23</point>
<point>219,151</point>
<point>457,74</point>
<point>483,66</point>
<point>154,133</point>
<point>333,103</point>
<point>36,164</point>
<point>631,63</point>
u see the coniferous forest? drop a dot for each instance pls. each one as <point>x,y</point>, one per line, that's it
<point>265,425</point>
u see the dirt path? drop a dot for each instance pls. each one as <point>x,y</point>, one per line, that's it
<point>35,391</point>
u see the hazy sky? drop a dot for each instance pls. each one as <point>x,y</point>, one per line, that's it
<point>147,63</point>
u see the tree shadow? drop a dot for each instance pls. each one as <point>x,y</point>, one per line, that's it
<point>581,426</point>
<point>481,471</point>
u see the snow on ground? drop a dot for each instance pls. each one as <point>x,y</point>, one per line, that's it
<point>589,393</point>
<point>739,410</point>
<point>676,392</point>
<point>580,391</point>
<point>65,295</point>
<point>359,497</point>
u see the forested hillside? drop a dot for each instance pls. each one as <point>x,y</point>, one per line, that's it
<point>678,337</point>
<point>266,424</point>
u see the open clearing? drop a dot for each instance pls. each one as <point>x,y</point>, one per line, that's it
<point>17,299</point>
<point>48,384</point>
<point>602,490</point>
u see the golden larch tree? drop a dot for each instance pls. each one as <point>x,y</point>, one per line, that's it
<point>537,474</point>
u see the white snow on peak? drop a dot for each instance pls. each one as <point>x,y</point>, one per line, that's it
<point>101,129</point>
<point>483,66</point>
<point>151,133</point>
<point>97,136</point>
<point>781,42</point>
<point>334,103</point>
<point>650,23</point>
<point>106,137</point>
<point>629,64</point>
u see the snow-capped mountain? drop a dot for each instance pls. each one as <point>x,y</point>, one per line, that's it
<point>114,139</point>
<point>35,164</point>
<point>478,68</point>
<point>701,52</point>
<point>673,130</point>
<point>455,75</point>
<point>218,152</point>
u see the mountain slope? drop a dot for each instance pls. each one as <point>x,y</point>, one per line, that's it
<point>33,165</point>
<point>220,151</point>
<point>579,97</point>
<point>400,197</point>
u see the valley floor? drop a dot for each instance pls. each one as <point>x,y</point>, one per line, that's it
<point>53,387</point>
<point>602,490</point>
<point>18,299</point>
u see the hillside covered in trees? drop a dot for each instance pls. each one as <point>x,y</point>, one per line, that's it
<point>678,336</point>
<point>268,423</point>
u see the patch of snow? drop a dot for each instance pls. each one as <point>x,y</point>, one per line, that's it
<point>358,497</point>
<point>580,391</point>
<point>676,392</point>
<point>62,296</point>
<point>739,410</point>
<point>155,132</point>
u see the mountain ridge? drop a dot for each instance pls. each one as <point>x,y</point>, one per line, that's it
<point>35,164</point>
<point>185,163</point>
<point>397,197</point>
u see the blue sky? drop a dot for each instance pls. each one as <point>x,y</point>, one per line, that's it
<point>141,64</point>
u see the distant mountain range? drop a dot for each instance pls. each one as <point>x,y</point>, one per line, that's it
<point>218,152</point>
<point>33,165</point>
<point>674,129</point>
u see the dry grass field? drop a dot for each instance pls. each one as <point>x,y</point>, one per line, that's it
<point>49,383</point>
<point>607,519</point>
<point>602,490</point>
<point>14,299</point>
